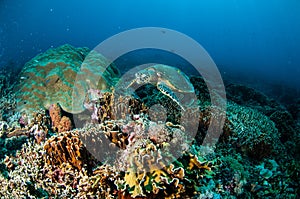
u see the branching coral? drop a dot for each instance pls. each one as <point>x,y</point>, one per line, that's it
<point>37,127</point>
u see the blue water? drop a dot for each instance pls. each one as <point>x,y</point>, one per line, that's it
<point>254,39</point>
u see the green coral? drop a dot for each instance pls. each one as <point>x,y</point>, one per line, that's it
<point>252,132</point>
<point>50,78</point>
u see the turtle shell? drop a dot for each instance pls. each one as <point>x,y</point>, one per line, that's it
<point>173,78</point>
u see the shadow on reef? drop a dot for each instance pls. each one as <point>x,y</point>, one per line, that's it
<point>123,150</point>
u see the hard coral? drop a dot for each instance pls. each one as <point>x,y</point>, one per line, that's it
<point>65,124</point>
<point>107,106</point>
<point>59,123</point>
<point>150,175</point>
<point>66,148</point>
<point>55,114</point>
<point>37,127</point>
<point>52,76</point>
<point>101,184</point>
<point>251,132</point>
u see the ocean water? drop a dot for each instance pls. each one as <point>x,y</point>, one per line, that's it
<point>255,40</point>
<point>255,45</point>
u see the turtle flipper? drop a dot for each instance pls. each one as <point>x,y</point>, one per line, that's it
<point>168,92</point>
<point>131,83</point>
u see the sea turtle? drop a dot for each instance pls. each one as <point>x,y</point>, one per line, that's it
<point>167,79</point>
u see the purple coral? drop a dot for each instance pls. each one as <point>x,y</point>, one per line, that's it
<point>91,102</point>
<point>23,120</point>
<point>38,133</point>
<point>95,109</point>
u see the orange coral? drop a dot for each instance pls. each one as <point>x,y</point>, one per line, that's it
<point>59,123</point>
<point>55,114</point>
<point>66,148</point>
<point>65,124</point>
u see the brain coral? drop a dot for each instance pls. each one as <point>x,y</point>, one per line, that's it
<point>49,78</point>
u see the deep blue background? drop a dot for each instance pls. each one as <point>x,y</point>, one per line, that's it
<point>256,40</point>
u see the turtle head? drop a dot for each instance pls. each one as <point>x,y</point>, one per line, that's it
<point>142,78</point>
<point>145,76</point>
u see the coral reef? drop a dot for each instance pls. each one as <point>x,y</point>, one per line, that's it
<point>279,114</point>
<point>145,162</point>
<point>24,170</point>
<point>58,169</point>
<point>268,179</point>
<point>8,102</point>
<point>137,146</point>
<point>250,97</point>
